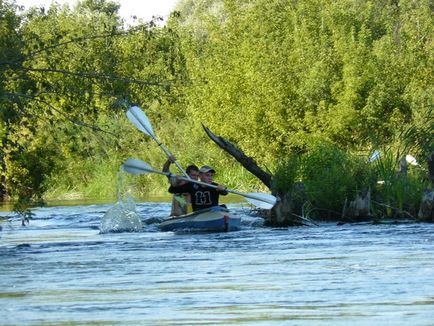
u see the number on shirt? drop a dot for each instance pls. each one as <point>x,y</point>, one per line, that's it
<point>203,198</point>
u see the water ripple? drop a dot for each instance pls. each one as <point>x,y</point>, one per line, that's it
<point>61,270</point>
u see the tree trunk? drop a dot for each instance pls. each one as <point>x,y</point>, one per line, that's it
<point>430,161</point>
<point>426,209</point>
<point>281,214</point>
<point>2,179</point>
<point>2,191</point>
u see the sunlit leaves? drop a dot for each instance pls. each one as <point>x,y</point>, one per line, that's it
<point>284,74</point>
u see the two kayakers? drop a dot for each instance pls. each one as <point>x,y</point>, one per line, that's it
<point>181,202</point>
<point>201,196</point>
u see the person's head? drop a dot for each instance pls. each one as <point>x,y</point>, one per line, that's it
<point>192,171</point>
<point>206,174</point>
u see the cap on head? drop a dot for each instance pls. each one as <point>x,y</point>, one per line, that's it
<point>206,169</point>
<point>191,168</point>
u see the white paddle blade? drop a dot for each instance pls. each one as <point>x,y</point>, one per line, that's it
<point>411,160</point>
<point>140,120</point>
<point>374,156</point>
<point>261,200</point>
<point>135,166</point>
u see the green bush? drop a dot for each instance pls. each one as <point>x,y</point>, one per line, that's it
<point>286,173</point>
<point>331,177</point>
<point>396,194</point>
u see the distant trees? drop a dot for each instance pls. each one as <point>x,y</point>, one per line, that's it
<point>310,88</point>
<point>278,79</point>
<point>67,76</point>
<point>288,74</point>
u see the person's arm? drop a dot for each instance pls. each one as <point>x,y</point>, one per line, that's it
<point>221,189</point>
<point>166,168</point>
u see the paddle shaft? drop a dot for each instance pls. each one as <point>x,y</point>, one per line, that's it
<point>150,133</point>
<point>166,151</point>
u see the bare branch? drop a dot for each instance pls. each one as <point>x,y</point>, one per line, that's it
<point>246,161</point>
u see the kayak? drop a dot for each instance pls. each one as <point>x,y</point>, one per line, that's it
<point>214,219</point>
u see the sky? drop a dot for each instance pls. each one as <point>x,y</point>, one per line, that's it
<point>141,8</point>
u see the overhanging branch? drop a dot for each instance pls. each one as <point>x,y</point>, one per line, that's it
<point>245,161</point>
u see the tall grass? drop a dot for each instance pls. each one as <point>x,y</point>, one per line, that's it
<point>396,193</point>
<point>331,177</point>
<point>286,174</point>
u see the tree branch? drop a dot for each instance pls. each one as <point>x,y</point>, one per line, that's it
<point>246,161</point>
<point>96,76</point>
<point>78,123</point>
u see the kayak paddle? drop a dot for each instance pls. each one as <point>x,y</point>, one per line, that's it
<point>139,119</point>
<point>261,200</point>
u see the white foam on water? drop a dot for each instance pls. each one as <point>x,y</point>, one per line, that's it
<point>122,217</point>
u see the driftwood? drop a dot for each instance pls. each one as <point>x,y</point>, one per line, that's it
<point>359,208</point>
<point>426,210</point>
<point>281,214</point>
<point>245,161</point>
<point>403,166</point>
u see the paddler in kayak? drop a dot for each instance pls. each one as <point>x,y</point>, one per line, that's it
<point>181,202</point>
<point>201,196</point>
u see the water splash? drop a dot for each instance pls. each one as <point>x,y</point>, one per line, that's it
<point>122,217</point>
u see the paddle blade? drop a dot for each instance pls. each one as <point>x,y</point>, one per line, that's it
<point>135,166</point>
<point>261,200</point>
<point>411,160</point>
<point>140,120</point>
<point>374,156</point>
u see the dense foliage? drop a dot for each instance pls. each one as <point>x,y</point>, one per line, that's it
<point>317,83</point>
<point>289,73</point>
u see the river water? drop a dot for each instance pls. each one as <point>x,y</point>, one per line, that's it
<point>60,270</point>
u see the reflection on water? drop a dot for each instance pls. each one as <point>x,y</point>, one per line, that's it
<point>61,270</point>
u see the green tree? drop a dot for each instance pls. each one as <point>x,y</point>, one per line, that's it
<point>71,77</point>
